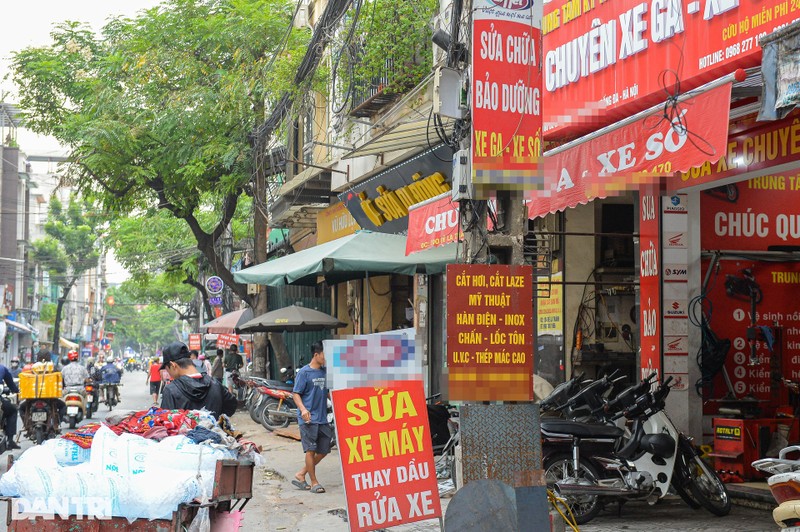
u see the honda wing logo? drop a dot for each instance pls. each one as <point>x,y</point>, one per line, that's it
<point>676,240</point>
<point>517,5</point>
<point>675,344</point>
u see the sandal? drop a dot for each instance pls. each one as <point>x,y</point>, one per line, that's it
<point>301,485</point>
<point>318,489</point>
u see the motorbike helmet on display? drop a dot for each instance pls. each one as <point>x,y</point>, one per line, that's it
<point>72,356</point>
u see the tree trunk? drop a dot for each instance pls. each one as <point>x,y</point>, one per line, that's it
<point>59,309</point>
<point>260,231</point>
<point>281,353</point>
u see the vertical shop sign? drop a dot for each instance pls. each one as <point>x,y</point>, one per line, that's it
<point>490,332</point>
<point>506,94</point>
<point>550,311</point>
<point>195,342</point>
<point>650,282</point>
<point>387,455</point>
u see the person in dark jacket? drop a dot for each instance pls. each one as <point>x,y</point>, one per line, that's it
<point>9,409</point>
<point>189,389</point>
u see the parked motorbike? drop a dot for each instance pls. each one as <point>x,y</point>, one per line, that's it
<point>41,418</point>
<point>784,485</point>
<point>279,408</point>
<point>591,463</point>
<point>75,399</point>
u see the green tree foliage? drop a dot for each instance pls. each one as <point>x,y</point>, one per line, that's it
<point>69,249</point>
<point>136,324</point>
<point>158,109</point>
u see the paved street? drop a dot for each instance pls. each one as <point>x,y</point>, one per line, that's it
<point>279,506</point>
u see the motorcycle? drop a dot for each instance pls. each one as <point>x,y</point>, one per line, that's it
<point>278,407</point>
<point>75,399</point>
<point>784,483</point>
<point>12,398</point>
<point>92,392</point>
<point>111,394</point>
<point>41,418</point>
<point>592,463</point>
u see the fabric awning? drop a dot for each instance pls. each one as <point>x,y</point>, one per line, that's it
<point>349,257</point>
<point>19,327</point>
<point>63,342</point>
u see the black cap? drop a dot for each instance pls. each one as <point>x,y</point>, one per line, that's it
<point>174,352</point>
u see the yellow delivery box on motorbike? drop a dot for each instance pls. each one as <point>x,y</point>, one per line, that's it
<point>40,383</point>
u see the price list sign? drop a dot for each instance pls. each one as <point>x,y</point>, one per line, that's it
<point>490,332</point>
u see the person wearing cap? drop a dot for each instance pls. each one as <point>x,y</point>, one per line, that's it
<point>190,389</point>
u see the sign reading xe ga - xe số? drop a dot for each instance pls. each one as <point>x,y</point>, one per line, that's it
<point>490,332</point>
<point>506,94</point>
<point>606,60</point>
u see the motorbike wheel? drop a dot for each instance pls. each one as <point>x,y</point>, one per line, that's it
<point>39,435</point>
<point>72,422</point>
<point>707,488</point>
<point>254,409</point>
<point>271,422</point>
<point>559,467</point>
<point>680,477</point>
<point>89,411</point>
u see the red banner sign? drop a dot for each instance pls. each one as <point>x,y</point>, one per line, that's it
<point>636,154</point>
<point>490,332</point>
<point>433,224</point>
<point>650,282</point>
<point>387,455</point>
<point>767,145</point>
<point>225,340</point>
<point>608,60</point>
<point>506,94</point>
<point>758,215</point>
<point>195,342</point>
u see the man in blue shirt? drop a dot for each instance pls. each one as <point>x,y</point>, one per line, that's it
<point>111,377</point>
<point>311,398</point>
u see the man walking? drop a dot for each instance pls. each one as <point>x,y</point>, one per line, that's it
<point>311,398</point>
<point>154,379</point>
<point>233,362</point>
<point>191,390</point>
<point>217,367</point>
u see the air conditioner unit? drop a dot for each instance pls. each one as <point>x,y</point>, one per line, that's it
<point>462,176</point>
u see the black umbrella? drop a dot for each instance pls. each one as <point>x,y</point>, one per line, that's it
<point>292,319</point>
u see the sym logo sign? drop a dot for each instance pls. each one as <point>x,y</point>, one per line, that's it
<point>675,272</point>
<point>517,5</point>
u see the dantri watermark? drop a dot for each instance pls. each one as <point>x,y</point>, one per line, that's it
<point>89,508</point>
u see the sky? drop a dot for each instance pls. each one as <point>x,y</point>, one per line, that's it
<point>28,23</point>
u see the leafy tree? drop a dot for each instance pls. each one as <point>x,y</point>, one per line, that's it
<point>157,111</point>
<point>139,325</point>
<point>69,248</point>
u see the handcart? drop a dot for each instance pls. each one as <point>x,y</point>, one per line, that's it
<point>233,489</point>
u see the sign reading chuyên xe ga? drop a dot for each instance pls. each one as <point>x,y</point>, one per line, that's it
<point>506,94</point>
<point>490,332</point>
<point>387,455</point>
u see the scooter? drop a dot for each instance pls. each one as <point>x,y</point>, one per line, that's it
<point>589,463</point>
<point>92,398</point>
<point>41,418</point>
<point>111,394</point>
<point>278,408</point>
<point>785,486</point>
<point>75,399</point>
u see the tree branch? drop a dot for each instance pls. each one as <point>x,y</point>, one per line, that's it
<point>119,193</point>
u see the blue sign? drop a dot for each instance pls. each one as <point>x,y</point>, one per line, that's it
<point>86,352</point>
<point>214,285</point>
<point>215,301</point>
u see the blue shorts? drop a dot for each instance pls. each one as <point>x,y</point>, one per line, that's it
<point>316,438</point>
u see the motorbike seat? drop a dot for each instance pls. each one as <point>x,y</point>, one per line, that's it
<point>581,430</point>
<point>278,385</point>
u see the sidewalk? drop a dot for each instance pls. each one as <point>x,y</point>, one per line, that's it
<point>278,505</point>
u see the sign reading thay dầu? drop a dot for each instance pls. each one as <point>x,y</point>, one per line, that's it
<point>506,95</point>
<point>606,60</point>
<point>386,451</point>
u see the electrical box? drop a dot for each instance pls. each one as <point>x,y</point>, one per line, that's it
<point>447,93</point>
<point>462,176</point>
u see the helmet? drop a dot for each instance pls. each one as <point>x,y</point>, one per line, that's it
<point>202,357</point>
<point>72,356</point>
<point>90,360</point>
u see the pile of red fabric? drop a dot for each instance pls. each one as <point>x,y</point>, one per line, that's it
<point>155,424</point>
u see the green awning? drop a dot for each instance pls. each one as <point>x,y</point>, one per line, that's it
<point>349,257</point>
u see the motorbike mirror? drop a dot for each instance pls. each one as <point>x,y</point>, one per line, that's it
<point>283,370</point>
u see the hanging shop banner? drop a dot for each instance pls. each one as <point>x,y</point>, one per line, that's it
<point>387,455</point>
<point>225,340</point>
<point>490,332</point>
<point>636,154</point>
<point>753,149</point>
<point>335,222</point>
<point>607,60</point>
<point>762,214</point>
<point>506,95</point>
<point>432,224</point>
<point>373,359</point>
<point>550,310</point>
<point>195,342</point>
<point>650,282</point>
<point>381,202</point>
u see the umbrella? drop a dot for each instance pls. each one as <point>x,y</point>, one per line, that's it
<point>291,318</point>
<point>226,323</point>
